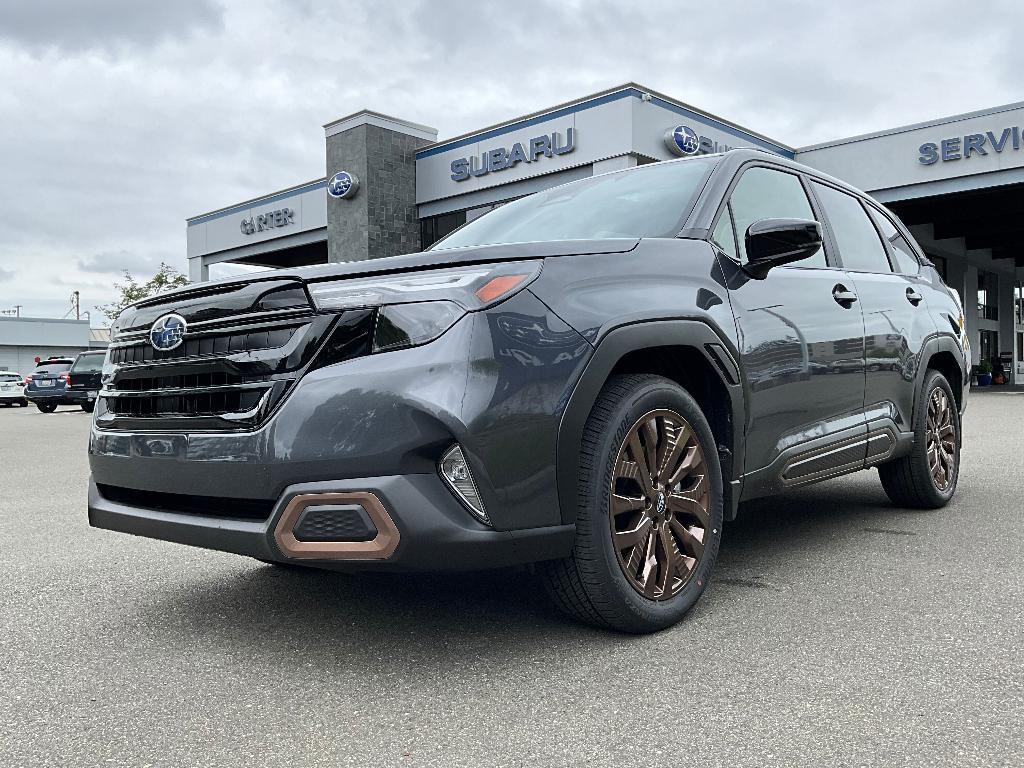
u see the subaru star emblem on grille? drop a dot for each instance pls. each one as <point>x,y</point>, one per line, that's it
<point>342,185</point>
<point>167,333</point>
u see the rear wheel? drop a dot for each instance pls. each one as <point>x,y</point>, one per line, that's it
<point>88,407</point>
<point>927,477</point>
<point>649,519</point>
<point>23,403</point>
<point>46,407</point>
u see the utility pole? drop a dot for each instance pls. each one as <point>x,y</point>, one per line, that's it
<point>77,305</point>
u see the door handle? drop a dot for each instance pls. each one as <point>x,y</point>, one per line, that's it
<point>914,297</point>
<point>843,296</point>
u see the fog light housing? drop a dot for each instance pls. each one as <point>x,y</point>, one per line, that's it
<point>456,473</point>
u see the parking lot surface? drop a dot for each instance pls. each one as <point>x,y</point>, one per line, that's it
<point>837,631</point>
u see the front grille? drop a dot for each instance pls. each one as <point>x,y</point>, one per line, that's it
<point>201,404</point>
<point>212,344</point>
<point>185,504</point>
<point>230,371</point>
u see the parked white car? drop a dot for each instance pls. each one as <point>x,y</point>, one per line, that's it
<point>12,388</point>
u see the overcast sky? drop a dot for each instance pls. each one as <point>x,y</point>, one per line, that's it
<point>120,118</point>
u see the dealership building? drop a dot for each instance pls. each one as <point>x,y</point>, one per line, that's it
<point>23,340</point>
<point>391,187</point>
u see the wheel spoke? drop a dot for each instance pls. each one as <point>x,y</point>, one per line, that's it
<point>691,537</point>
<point>640,457</point>
<point>621,504</point>
<point>689,504</point>
<point>633,536</point>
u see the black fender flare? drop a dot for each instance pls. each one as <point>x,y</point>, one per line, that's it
<point>941,342</point>
<point>613,346</point>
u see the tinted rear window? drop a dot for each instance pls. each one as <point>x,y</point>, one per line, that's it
<point>10,377</point>
<point>652,201</point>
<point>53,367</point>
<point>88,364</point>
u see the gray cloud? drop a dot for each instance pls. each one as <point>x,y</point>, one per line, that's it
<point>122,118</point>
<point>72,26</point>
<point>6,274</point>
<point>118,262</point>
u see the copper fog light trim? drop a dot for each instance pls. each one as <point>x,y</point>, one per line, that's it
<point>381,547</point>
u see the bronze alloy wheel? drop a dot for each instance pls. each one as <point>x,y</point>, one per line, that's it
<point>940,439</point>
<point>659,504</point>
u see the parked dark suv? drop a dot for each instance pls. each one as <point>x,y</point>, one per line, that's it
<point>590,378</point>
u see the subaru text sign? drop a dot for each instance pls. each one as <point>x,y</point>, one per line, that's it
<point>963,147</point>
<point>500,158</point>
<point>683,141</point>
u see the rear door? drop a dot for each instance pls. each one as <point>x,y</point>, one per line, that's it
<point>896,317</point>
<point>801,342</point>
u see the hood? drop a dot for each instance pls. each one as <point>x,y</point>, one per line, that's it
<point>244,293</point>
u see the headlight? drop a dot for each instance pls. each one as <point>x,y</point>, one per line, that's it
<point>471,287</point>
<point>407,325</point>
<point>417,307</point>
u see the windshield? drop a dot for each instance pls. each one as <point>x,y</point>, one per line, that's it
<point>651,201</point>
<point>53,367</point>
<point>88,364</point>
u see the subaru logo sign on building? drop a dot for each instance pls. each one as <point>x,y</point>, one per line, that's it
<point>167,333</point>
<point>683,141</point>
<point>342,185</point>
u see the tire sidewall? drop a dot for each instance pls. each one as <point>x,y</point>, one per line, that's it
<point>637,611</point>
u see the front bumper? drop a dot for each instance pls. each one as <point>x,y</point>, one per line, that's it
<point>495,383</point>
<point>434,532</point>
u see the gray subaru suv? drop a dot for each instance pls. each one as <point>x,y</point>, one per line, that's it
<point>590,379</point>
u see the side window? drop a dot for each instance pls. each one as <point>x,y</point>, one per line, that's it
<point>764,193</point>
<point>906,258</point>
<point>723,235</point>
<point>860,247</point>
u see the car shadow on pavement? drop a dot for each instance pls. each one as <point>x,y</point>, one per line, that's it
<point>358,619</point>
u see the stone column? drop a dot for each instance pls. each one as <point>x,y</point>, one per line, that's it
<point>380,217</point>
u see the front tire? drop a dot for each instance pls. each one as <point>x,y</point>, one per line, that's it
<point>46,407</point>
<point>927,477</point>
<point>649,518</point>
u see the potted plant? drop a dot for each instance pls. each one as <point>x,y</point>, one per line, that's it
<point>984,373</point>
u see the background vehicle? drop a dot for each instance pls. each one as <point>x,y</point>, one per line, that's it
<point>84,379</point>
<point>591,378</point>
<point>12,389</point>
<point>47,385</point>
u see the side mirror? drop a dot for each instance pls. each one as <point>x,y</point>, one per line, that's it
<point>773,242</point>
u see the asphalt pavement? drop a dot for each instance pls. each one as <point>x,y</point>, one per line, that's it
<point>837,631</point>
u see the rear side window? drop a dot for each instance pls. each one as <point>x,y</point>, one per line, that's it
<point>860,247</point>
<point>88,364</point>
<point>53,367</point>
<point>906,258</point>
<point>764,193</point>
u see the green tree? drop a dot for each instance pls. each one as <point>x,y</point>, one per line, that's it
<point>130,291</point>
